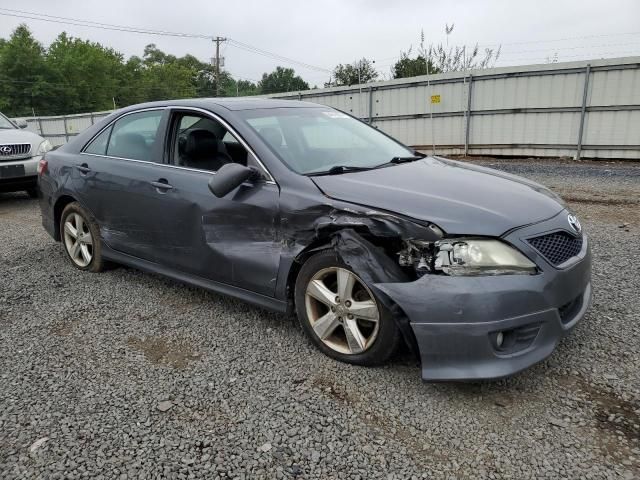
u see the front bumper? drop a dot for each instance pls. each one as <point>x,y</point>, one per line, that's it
<point>29,180</point>
<point>456,319</point>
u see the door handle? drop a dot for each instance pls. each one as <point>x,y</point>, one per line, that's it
<point>84,168</point>
<point>162,184</point>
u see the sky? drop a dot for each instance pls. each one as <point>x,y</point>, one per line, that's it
<point>324,33</point>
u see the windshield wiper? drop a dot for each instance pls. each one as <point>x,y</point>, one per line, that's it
<point>338,169</point>
<point>405,159</point>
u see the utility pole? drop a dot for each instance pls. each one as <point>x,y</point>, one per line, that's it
<point>218,40</point>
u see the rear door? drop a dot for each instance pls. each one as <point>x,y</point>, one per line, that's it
<point>121,178</point>
<point>234,239</point>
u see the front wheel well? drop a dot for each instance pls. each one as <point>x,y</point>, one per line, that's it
<point>324,242</point>
<point>62,202</point>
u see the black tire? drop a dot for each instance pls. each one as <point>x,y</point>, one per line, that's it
<point>97,263</point>
<point>32,192</point>
<point>388,337</point>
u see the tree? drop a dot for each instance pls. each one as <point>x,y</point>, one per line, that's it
<point>281,80</point>
<point>85,76</point>
<point>75,76</point>
<point>358,72</point>
<point>23,75</point>
<point>238,88</point>
<point>440,58</point>
<point>413,67</point>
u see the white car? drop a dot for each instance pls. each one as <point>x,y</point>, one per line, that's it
<point>20,153</point>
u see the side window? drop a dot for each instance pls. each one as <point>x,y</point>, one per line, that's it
<point>99,144</point>
<point>205,144</point>
<point>133,136</point>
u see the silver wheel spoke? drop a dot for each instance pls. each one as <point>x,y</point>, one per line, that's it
<point>85,238</point>
<point>366,310</point>
<point>84,250</point>
<point>318,290</point>
<point>70,229</point>
<point>346,282</point>
<point>75,250</point>
<point>326,325</point>
<point>355,340</point>
<point>79,223</point>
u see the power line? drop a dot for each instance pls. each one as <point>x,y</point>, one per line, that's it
<point>584,56</point>
<point>577,47</point>
<point>92,24</point>
<point>259,51</point>
<point>559,39</point>
<point>124,28</point>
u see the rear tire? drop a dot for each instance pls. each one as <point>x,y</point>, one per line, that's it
<point>32,192</point>
<point>80,237</point>
<point>355,329</point>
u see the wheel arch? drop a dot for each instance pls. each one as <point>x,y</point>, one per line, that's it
<point>324,241</point>
<point>319,244</point>
<point>58,208</point>
<point>366,240</point>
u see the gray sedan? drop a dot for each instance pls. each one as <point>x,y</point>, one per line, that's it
<point>301,208</point>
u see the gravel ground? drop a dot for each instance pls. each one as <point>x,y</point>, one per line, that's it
<point>129,375</point>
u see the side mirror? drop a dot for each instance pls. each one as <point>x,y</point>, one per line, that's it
<point>22,123</point>
<point>229,177</point>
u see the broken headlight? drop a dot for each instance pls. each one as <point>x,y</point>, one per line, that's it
<point>464,257</point>
<point>480,257</point>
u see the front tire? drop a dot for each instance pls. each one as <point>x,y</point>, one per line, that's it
<point>81,238</point>
<point>341,314</point>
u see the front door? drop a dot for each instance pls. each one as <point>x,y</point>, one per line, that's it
<point>234,239</point>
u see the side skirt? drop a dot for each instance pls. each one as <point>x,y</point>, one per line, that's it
<point>263,301</point>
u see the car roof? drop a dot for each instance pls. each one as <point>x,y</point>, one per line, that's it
<point>236,103</point>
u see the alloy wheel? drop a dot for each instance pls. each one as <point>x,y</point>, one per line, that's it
<point>78,240</point>
<point>342,310</point>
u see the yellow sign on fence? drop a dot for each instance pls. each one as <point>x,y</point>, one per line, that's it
<point>435,98</point>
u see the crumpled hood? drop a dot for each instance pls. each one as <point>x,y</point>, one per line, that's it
<point>460,198</point>
<point>20,136</point>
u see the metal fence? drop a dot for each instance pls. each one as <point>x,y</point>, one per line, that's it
<point>588,109</point>
<point>59,129</point>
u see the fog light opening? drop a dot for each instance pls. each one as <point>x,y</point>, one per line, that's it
<point>499,339</point>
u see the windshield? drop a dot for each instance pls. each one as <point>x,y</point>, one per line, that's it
<point>313,140</point>
<point>5,123</point>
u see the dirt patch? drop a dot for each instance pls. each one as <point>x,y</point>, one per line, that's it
<point>392,430</point>
<point>546,160</point>
<point>176,354</point>
<point>63,329</point>
<point>331,389</point>
<point>614,413</point>
<point>617,215</point>
<point>600,201</point>
<point>617,421</point>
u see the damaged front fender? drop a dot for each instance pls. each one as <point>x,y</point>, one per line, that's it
<point>361,238</point>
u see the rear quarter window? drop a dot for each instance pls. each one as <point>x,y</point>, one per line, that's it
<point>98,146</point>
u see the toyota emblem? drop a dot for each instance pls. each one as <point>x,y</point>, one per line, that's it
<point>6,149</point>
<point>574,223</point>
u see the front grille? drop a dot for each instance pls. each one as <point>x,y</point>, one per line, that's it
<point>557,247</point>
<point>9,151</point>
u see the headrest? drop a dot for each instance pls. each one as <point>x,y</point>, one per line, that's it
<point>201,143</point>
